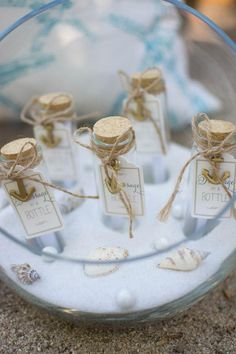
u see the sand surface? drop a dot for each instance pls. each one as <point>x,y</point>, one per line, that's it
<point>209,327</point>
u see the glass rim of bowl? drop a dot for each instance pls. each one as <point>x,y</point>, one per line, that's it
<point>129,259</point>
<point>176,3</point>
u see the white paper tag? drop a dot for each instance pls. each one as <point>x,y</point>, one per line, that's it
<point>131,178</point>
<point>40,215</point>
<point>147,138</point>
<point>210,199</point>
<point>60,160</point>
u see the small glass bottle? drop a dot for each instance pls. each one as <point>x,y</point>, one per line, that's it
<point>55,137</point>
<point>33,202</point>
<point>112,210</point>
<point>147,110</point>
<point>206,195</point>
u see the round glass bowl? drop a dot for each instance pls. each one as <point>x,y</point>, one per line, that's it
<point>79,46</point>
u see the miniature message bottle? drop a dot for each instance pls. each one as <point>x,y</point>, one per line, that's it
<point>53,118</point>
<point>146,107</point>
<point>23,177</point>
<point>212,176</point>
<point>119,179</point>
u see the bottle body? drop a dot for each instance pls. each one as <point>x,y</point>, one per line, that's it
<point>61,157</point>
<point>34,205</point>
<point>112,212</point>
<point>205,193</point>
<point>151,129</point>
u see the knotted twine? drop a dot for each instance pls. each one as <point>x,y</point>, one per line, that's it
<point>137,94</point>
<point>210,148</point>
<point>107,157</point>
<point>32,115</point>
<point>15,169</point>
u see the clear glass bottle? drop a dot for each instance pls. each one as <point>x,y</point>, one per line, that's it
<point>21,192</point>
<point>194,226</point>
<point>55,138</point>
<point>105,133</point>
<point>148,113</point>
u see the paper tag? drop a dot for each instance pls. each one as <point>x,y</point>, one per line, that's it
<point>147,138</point>
<point>209,199</point>
<point>60,160</point>
<point>40,215</point>
<point>131,178</point>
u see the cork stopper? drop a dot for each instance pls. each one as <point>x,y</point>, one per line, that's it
<point>218,129</point>
<point>55,101</point>
<point>109,129</point>
<point>147,78</point>
<point>11,150</point>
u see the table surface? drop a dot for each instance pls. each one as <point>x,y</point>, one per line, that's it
<point>209,327</point>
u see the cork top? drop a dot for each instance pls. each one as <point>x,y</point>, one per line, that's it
<point>147,78</point>
<point>109,129</point>
<point>218,129</point>
<point>11,150</point>
<point>55,101</point>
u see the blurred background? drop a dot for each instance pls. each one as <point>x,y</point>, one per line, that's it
<point>200,81</point>
<point>222,12</point>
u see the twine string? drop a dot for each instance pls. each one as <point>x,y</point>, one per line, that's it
<point>13,170</point>
<point>32,115</point>
<point>107,157</point>
<point>137,94</point>
<point>209,149</point>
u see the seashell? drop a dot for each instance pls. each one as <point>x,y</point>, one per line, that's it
<point>104,254</point>
<point>25,273</point>
<point>184,259</point>
<point>125,299</point>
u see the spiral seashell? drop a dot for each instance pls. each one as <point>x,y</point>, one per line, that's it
<point>25,273</point>
<point>184,259</point>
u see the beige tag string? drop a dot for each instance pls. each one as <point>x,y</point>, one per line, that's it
<point>210,149</point>
<point>108,158</point>
<point>137,94</point>
<point>32,115</point>
<point>14,171</point>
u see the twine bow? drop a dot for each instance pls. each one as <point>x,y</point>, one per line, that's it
<point>137,94</point>
<point>14,171</point>
<point>110,162</point>
<point>34,115</point>
<point>31,113</point>
<point>210,148</point>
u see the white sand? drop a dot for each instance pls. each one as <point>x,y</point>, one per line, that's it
<point>65,284</point>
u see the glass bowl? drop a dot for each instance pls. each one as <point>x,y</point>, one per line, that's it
<point>79,47</point>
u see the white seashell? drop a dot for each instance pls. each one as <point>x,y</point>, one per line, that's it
<point>46,257</point>
<point>104,254</point>
<point>125,299</point>
<point>25,273</point>
<point>177,211</point>
<point>161,243</point>
<point>184,259</point>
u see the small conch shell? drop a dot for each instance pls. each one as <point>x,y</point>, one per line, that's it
<point>184,259</point>
<point>25,273</point>
<point>104,254</point>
